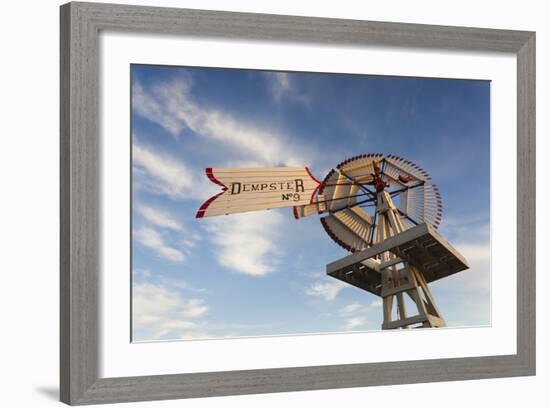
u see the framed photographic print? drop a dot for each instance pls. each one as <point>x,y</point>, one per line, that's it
<point>259,203</point>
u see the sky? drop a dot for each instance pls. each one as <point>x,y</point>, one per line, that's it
<point>263,273</point>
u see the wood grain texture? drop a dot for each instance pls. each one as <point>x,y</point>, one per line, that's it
<point>79,196</point>
<point>79,204</point>
<point>526,191</point>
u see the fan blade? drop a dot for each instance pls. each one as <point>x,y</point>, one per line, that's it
<point>350,228</point>
<point>396,166</point>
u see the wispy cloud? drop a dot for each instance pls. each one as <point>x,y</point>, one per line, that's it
<point>478,276</point>
<point>160,173</point>
<point>146,276</point>
<point>164,234</point>
<point>171,105</point>
<point>356,314</point>
<point>162,105</point>
<point>159,218</point>
<point>355,322</point>
<point>162,310</point>
<point>470,235</point>
<point>159,312</point>
<point>376,303</point>
<point>283,86</point>
<point>466,228</point>
<point>350,309</point>
<point>154,240</point>
<point>327,290</point>
<point>247,242</point>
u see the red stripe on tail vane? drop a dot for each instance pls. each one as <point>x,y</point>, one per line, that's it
<point>213,179</point>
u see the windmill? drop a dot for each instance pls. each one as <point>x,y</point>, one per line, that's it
<point>382,209</point>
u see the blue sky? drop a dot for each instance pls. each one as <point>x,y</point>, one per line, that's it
<point>263,273</point>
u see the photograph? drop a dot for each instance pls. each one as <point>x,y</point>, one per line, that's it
<point>271,203</point>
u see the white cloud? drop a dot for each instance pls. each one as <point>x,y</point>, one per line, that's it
<point>475,253</point>
<point>189,243</point>
<point>161,104</point>
<point>465,229</point>
<point>376,303</point>
<point>161,173</point>
<point>281,86</point>
<point>478,276</point>
<point>171,106</point>
<point>158,312</point>
<point>161,312</point>
<point>327,290</point>
<point>247,242</point>
<point>471,237</point>
<point>355,322</point>
<point>194,308</point>
<point>356,312</point>
<point>154,240</point>
<point>159,218</point>
<point>350,309</point>
<point>141,273</point>
<point>164,234</point>
<point>180,284</point>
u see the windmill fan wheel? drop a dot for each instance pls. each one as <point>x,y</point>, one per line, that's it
<point>350,194</point>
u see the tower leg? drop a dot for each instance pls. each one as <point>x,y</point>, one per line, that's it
<point>411,282</point>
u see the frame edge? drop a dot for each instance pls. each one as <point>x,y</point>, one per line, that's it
<point>526,191</point>
<point>79,215</point>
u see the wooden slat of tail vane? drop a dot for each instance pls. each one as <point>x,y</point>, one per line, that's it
<point>267,200</point>
<point>218,171</point>
<point>258,178</point>
<point>214,209</point>
<point>234,195</point>
<point>267,179</point>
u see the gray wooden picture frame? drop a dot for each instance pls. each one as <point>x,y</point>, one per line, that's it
<point>80,158</point>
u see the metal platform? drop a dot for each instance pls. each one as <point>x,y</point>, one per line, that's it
<point>420,246</point>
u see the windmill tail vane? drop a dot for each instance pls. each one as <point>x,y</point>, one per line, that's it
<point>381,208</point>
<point>253,189</point>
